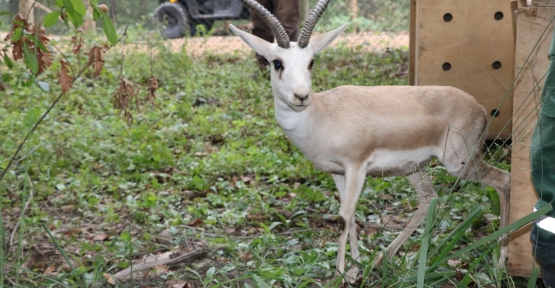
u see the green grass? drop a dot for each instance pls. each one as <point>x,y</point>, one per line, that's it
<point>208,168</point>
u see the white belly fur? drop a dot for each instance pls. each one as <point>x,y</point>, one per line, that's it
<point>394,162</point>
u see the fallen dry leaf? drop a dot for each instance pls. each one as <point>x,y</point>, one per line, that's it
<point>161,269</point>
<point>221,259</point>
<point>65,267</point>
<point>50,270</point>
<point>101,237</point>
<point>72,232</point>
<point>247,256</point>
<point>195,223</point>
<point>67,208</point>
<point>109,279</point>
<point>370,231</point>
<point>165,234</point>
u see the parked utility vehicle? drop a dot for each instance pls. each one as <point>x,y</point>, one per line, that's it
<point>181,18</point>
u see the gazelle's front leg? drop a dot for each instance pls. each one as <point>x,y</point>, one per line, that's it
<point>353,179</point>
<point>353,237</point>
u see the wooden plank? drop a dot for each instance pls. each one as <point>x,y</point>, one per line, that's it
<point>514,8</point>
<point>527,94</point>
<point>412,42</point>
<point>465,37</point>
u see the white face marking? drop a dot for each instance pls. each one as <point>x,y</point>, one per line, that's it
<point>294,78</point>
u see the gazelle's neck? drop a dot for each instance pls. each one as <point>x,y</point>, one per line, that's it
<point>291,121</point>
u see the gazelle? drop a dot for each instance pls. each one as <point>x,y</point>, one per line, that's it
<point>353,131</point>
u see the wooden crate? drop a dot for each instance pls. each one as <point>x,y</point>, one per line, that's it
<point>531,23</point>
<point>469,45</point>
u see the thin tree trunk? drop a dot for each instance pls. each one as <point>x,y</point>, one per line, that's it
<point>90,24</point>
<point>144,6</point>
<point>27,10</point>
<point>354,11</point>
<point>226,27</point>
<point>114,9</point>
<point>354,8</point>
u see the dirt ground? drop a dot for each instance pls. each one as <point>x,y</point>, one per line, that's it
<point>197,46</point>
<point>368,41</point>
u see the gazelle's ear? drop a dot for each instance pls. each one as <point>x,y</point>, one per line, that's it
<point>319,43</point>
<point>259,45</point>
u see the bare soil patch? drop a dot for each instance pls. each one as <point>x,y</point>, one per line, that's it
<point>367,41</point>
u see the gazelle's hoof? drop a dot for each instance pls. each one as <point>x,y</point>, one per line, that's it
<point>352,274</point>
<point>504,255</point>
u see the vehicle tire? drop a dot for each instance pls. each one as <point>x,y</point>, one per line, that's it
<point>173,19</point>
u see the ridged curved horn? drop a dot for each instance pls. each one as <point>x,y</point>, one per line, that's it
<point>313,18</point>
<point>279,32</point>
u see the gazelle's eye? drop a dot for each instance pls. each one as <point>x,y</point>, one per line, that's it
<point>311,64</point>
<point>277,64</point>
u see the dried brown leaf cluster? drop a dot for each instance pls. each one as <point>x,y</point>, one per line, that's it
<point>95,57</point>
<point>44,57</point>
<point>65,80</point>
<point>128,91</point>
<point>77,42</point>
<point>152,87</point>
<point>123,97</point>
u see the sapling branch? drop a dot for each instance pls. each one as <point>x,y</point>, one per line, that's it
<point>65,57</point>
<point>31,9</point>
<point>31,193</point>
<point>46,113</point>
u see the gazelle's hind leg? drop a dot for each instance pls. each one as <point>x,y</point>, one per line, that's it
<point>480,171</point>
<point>353,237</point>
<point>426,192</point>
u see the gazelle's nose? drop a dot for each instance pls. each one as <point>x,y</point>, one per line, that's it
<point>302,98</point>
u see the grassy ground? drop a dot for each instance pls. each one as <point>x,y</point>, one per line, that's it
<point>207,169</point>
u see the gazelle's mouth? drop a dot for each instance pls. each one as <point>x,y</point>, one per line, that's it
<point>297,106</point>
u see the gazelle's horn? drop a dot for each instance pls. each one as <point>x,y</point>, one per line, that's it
<point>316,13</point>
<point>279,32</point>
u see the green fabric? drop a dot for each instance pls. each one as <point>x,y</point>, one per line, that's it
<point>542,151</point>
